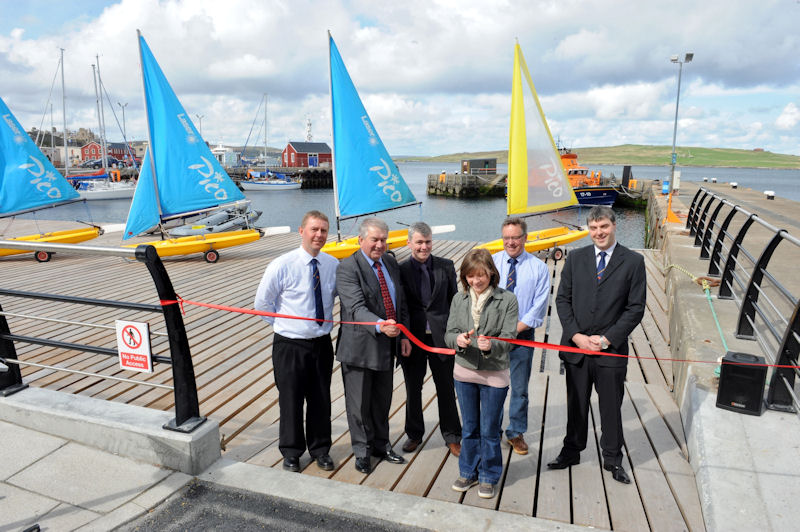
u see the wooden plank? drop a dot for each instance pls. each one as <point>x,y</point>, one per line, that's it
<point>553,496</point>
<point>519,488</point>
<point>441,489</point>
<point>551,362</point>
<point>660,506</point>
<point>676,468</point>
<point>624,502</point>
<point>589,506</point>
<point>665,403</point>
<point>650,368</point>
<point>659,347</point>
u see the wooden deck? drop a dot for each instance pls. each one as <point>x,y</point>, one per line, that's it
<point>232,360</point>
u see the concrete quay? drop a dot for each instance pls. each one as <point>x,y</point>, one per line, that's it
<point>747,467</point>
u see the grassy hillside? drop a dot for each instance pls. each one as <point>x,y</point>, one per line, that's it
<point>653,156</point>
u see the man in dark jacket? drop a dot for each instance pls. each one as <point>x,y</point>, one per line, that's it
<point>601,299</point>
<point>429,284</point>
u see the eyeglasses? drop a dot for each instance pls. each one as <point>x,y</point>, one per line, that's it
<point>509,238</point>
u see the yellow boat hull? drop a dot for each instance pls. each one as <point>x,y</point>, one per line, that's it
<point>186,245</point>
<point>69,236</point>
<point>539,240</point>
<point>397,238</point>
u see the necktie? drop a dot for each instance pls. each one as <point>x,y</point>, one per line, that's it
<point>511,280</point>
<point>425,284</point>
<point>601,266</point>
<point>319,311</point>
<point>387,298</point>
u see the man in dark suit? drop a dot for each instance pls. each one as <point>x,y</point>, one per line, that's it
<point>370,290</point>
<point>429,283</point>
<point>601,299</point>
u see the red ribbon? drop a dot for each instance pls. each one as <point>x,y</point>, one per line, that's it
<point>446,351</point>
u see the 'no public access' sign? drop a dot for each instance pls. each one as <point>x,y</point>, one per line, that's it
<point>133,345</point>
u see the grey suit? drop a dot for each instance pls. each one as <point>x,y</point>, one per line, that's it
<point>611,307</point>
<point>367,356</point>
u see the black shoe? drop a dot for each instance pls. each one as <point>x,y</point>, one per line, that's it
<point>617,473</point>
<point>325,462</point>
<point>291,463</point>
<point>390,456</point>
<point>363,465</point>
<point>563,462</point>
<point>411,445</point>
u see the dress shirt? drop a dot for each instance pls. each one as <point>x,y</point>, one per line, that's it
<point>287,288</point>
<point>532,288</point>
<point>608,251</point>
<point>389,282</point>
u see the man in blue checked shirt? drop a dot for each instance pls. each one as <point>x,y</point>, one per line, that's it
<point>529,279</point>
<point>302,282</point>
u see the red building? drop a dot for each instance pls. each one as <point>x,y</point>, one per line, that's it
<point>306,154</point>
<point>93,150</point>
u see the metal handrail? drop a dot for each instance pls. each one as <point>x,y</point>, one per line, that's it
<point>187,408</point>
<point>754,303</point>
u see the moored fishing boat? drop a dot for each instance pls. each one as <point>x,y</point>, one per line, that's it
<point>29,182</point>
<point>586,184</point>
<point>268,181</point>
<point>537,182</point>
<point>180,177</point>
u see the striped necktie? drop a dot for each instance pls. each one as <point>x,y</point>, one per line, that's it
<point>319,310</point>
<point>387,297</point>
<point>601,266</point>
<point>511,280</point>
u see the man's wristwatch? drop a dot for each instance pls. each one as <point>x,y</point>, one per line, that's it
<point>603,343</point>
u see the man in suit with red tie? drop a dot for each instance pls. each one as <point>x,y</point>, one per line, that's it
<point>302,283</point>
<point>601,299</point>
<point>429,284</point>
<point>370,290</point>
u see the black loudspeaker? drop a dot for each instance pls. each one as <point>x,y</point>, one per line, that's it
<point>741,386</point>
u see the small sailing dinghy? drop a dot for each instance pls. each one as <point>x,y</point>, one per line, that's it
<point>180,177</point>
<point>365,179</point>
<point>536,179</point>
<point>29,182</point>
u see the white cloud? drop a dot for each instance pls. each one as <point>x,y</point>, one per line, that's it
<point>789,118</point>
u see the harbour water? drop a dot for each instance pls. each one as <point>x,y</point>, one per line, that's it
<point>475,219</point>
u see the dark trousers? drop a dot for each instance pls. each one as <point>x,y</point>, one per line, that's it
<point>610,385</point>
<point>414,368</point>
<point>367,399</point>
<point>303,374</point>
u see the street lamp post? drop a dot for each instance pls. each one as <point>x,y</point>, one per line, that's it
<point>687,58</point>
<point>124,131</point>
<point>200,122</point>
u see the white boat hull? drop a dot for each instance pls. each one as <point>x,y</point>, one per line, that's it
<point>269,185</point>
<point>91,190</point>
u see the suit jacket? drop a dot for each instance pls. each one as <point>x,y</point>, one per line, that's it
<point>436,312</point>
<point>612,307</point>
<point>360,297</point>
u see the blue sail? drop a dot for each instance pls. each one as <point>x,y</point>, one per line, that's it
<point>367,179</point>
<point>27,178</point>
<point>187,174</point>
<point>143,214</point>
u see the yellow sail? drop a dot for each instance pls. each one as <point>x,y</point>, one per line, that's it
<point>536,179</point>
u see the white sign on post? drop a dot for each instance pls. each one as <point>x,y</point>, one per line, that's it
<point>133,345</point>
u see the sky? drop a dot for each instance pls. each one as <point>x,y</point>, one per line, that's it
<point>434,75</point>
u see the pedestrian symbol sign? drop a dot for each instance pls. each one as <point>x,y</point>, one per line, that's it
<point>133,346</point>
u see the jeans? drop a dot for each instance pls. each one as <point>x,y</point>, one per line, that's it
<point>520,360</point>
<point>481,415</point>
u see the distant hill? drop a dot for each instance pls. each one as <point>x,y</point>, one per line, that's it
<point>651,156</point>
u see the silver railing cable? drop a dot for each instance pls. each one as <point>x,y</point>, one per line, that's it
<point>59,368</point>
<point>68,322</point>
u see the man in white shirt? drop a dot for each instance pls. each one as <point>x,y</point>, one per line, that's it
<point>529,279</point>
<point>303,283</point>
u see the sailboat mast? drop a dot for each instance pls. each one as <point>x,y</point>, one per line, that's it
<point>64,112</point>
<point>265,133</point>
<point>102,116</point>
<point>333,147</point>
<point>147,119</point>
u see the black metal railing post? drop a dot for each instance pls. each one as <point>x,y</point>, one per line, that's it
<point>701,224</point>
<point>778,396</point>
<point>706,243</point>
<point>725,291</point>
<point>716,253</point>
<point>11,378</point>
<point>744,329</point>
<point>692,208</point>
<point>187,407</point>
